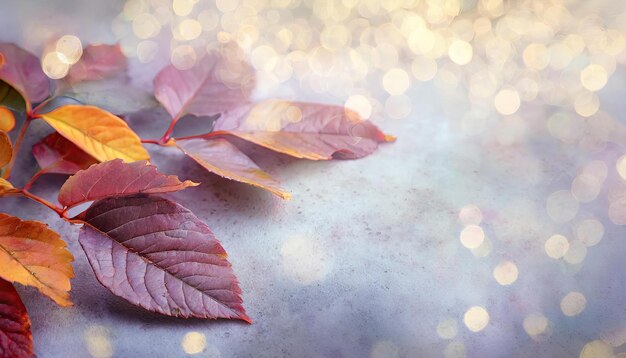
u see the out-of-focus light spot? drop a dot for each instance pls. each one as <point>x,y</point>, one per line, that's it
<point>615,337</point>
<point>455,349</point>
<point>424,69</point>
<point>385,349</point>
<point>562,206</point>
<point>484,249</point>
<point>472,236</point>
<point>360,104</point>
<point>505,273</point>
<point>335,37</point>
<point>226,5</point>
<point>447,329</point>
<point>536,56</point>
<point>264,58</point>
<point>304,260</point>
<point>396,81</point>
<point>183,7</point>
<point>460,52</point>
<point>556,246</point>
<point>586,104</point>
<point>593,77</point>
<point>146,50</point>
<point>421,41</point>
<point>567,128</point>
<point>535,324</point>
<point>208,19</point>
<point>146,26</point>
<point>189,29</point>
<point>596,349</point>
<point>476,318</point>
<point>573,304</point>
<point>586,188</point>
<point>98,342</point>
<point>617,211</point>
<point>576,253</point>
<point>293,114</point>
<point>590,232</point>
<point>69,48</point>
<point>194,343</point>
<point>54,65</point>
<point>398,107</point>
<point>483,84</point>
<point>621,166</point>
<point>507,101</point>
<point>184,57</point>
<point>470,215</point>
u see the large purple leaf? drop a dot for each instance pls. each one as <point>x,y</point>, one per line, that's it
<point>116,178</point>
<point>23,72</point>
<point>16,340</point>
<point>158,255</point>
<point>225,159</point>
<point>221,80</point>
<point>304,130</point>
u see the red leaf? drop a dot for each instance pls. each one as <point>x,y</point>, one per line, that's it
<point>219,81</point>
<point>55,154</point>
<point>116,178</point>
<point>16,340</point>
<point>304,130</point>
<point>158,255</point>
<point>224,159</point>
<point>98,62</point>
<point>23,72</point>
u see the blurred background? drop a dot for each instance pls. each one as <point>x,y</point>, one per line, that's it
<point>494,227</point>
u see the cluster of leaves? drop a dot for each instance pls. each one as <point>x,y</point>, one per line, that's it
<point>145,248</point>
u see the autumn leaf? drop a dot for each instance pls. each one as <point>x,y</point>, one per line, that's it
<point>158,255</point>
<point>219,81</point>
<point>98,132</point>
<point>22,71</point>
<point>55,154</point>
<point>7,189</point>
<point>6,149</point>
<point>7,120</point>
<point>98,62</point>
<point>10,98</point>
<point>304,130</point>
<point>16,340</point>
<point>31,254</point>
<point>221,157</point>
<point>116,178</point>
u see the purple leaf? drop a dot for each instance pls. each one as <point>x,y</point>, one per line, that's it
<point>158,255</point>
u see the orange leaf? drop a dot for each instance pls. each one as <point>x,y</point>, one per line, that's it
<point>224,159</point>
<point>31,254</point>
<point>304,130</point>
<point>98,132</point>
<point>7,188</point>
<point>7,120</point>
<point>6,149</point>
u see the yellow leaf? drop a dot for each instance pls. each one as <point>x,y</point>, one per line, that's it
<point>7,120</point>
<point>31,254</point>
<point>6,149</point>
<point>7,188</point>
<point>97,132</point>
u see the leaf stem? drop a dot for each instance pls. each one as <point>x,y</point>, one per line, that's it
<point>34,178</point>
<point>168,132</point>
<point>205,135</point>
<point>18,143</point>
<point>43,201</point>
